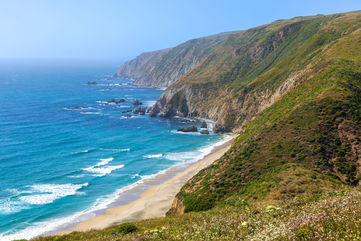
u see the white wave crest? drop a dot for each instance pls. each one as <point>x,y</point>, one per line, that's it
<point>154,156</point>
<point>43,227</point>
<point>104,161</point>
<point>8,206</point>
<point>192,156</point>
<point>90,113</point>
<point>149,103</point>
<point>121,150</point>
<point>48,193</point>
<point>102,171</point>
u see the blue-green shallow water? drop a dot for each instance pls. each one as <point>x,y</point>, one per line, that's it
<point>57,163</point>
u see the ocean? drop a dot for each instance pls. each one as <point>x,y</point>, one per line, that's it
<point>66,152</point>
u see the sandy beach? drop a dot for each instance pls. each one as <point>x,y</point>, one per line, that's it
<point>155,196</point>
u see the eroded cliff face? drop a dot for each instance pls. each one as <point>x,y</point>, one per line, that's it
<point>296,105</point>
<point>227,86</point>
<point>161,68</point>
<point>230,111</point>
<point>140,68</point>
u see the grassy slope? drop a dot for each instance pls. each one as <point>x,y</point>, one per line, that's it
<point>304,128</point>
<point>333,216</point>
<point>278,181</point>
<point>260,59</point>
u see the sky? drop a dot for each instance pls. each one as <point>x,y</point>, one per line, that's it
<point>122,29</point>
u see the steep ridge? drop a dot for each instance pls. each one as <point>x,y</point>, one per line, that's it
<point>292,91</point>
<point>253,69</point>
<point>302,114</point>
<point>163,67</point>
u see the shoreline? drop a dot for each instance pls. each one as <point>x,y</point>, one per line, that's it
<point>150,199</point>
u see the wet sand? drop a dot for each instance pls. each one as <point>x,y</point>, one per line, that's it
<point>151,199</point>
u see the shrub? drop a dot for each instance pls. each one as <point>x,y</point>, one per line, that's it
<point>193,203</point>
<point>127,228</point>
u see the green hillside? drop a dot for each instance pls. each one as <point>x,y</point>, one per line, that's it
<point>292,91</point>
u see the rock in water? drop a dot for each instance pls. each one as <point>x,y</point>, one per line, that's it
<point>220,129</point>
<point>204,132</point>
<point>139,110</point>
<point>120,101</point>
<point>137,102</point>
<point>126,111</point>
<point>188,129</point>
<point>204,124</point>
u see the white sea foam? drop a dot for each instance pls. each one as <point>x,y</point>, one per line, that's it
<point>81,151</point>
<point>77,176</point>
<point>154,156</point>
<point>48,193</point>
<point>44,227</point>
<point>102,171</point>
<point>192,156</point>
<point>79,108</point>
<point>40,228</point>
<point>129,117</point>
<point>185,133</point>
<point>149,103</point>
<point>8,206</point>
<point>90,113</point>
<point>121,150</point>
<point>112,84</point>
<point>135,176</point>
<point>37,194</point>
<point>104,161</point>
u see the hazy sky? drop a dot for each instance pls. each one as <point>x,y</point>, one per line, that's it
<point>120,29</point>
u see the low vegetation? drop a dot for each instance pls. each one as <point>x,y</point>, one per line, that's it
<point>333,215</point>
<point>293,173</point>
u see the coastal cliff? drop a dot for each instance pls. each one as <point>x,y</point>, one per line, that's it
<point>250,71</point>
<point>161,68</point>
<point>291,90</point>
<point>261,81</point>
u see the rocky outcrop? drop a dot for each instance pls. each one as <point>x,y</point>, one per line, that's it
<point>204,132</point>
<point>292,88</point>
<point>161,68</point>
<point>114,101</point>
<point>177,207</point>
<point>188,129</point>
<point>232,84</point>
<point>137,102</point>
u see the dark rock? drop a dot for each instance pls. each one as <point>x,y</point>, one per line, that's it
<point>205,132</point>
<point>220,129</point>
<point>128,116</point>
<point>152,114</point>
<point>112,100</point>
<point>137,102</point>
<point>120,101</point>
<point>204,124</point>
<point>76,108</point>
<point>127,111</point>
<point>188,129</point>
<point>185,121</point>
<point>139,110</point>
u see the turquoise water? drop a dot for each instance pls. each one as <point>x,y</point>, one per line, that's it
<point>57,163</point>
